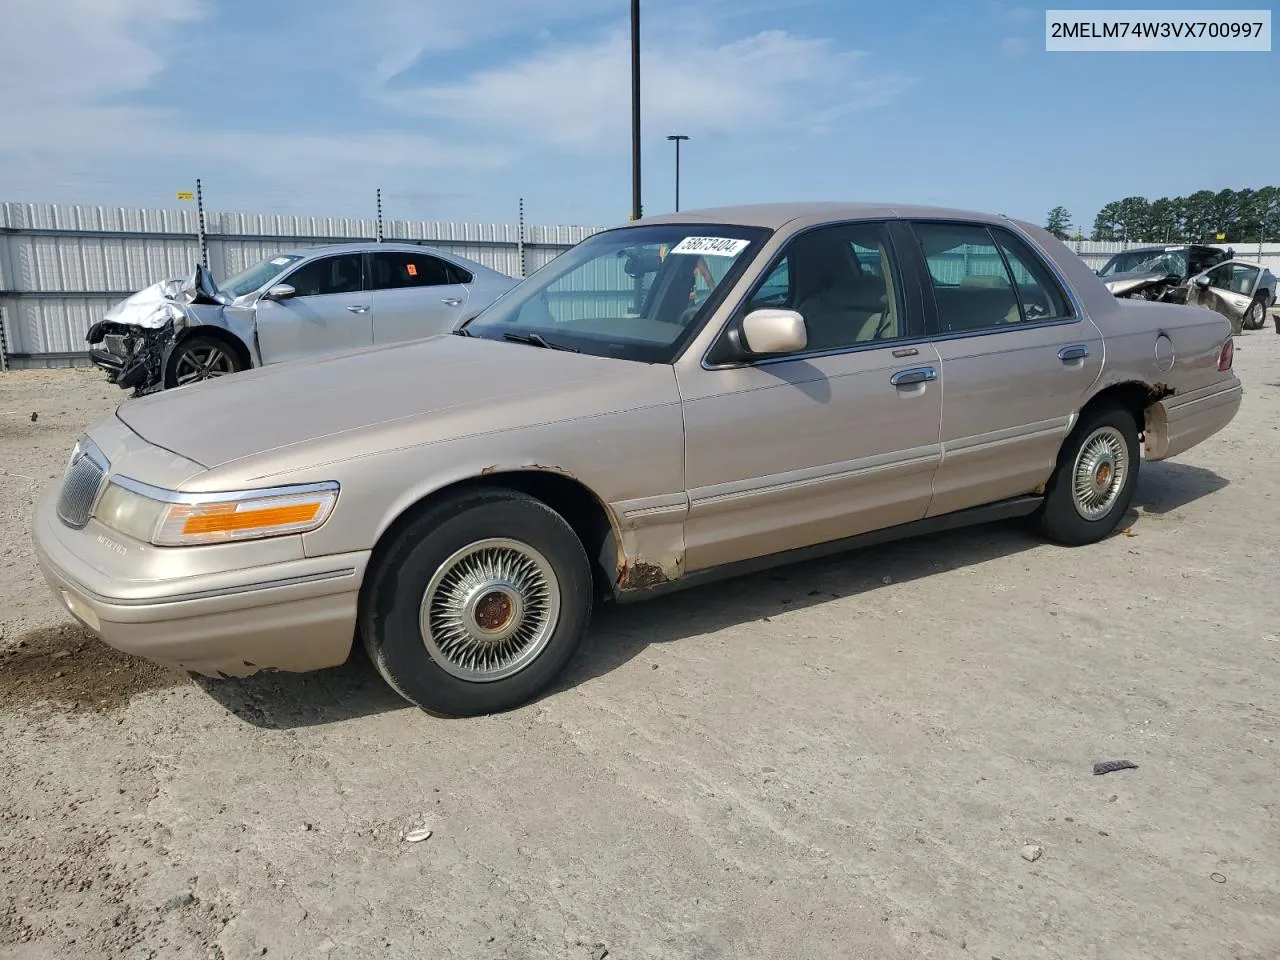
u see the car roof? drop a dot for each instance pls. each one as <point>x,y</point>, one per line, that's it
<point>360,246</point>
<point>775,215</point>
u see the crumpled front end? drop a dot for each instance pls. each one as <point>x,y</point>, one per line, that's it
<point>133,356</point>
<point>133,339</point>
<point>1158,287</point>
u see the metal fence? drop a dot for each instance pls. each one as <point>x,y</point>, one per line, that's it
<point>63,266</point>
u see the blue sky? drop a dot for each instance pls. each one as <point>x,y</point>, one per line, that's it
<point>458,109</point>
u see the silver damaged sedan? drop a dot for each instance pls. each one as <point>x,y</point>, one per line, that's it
<point>679,399</point>
<point>303,303</point>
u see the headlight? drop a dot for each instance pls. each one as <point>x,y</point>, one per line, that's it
<point>170,519</point>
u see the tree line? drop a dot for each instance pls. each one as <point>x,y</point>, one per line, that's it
<point>1228,216</point>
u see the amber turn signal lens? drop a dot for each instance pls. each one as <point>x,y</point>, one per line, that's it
<point>224,518</point>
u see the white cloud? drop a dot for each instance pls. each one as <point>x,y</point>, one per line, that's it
<point>1014,47</point>
<point>402,32</point>
<point>575,95</point>
<point>1013,15</point>
<point>85,48</point>
<point>70,131</point>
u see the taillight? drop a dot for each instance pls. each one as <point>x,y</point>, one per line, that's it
<point>1227,355</point>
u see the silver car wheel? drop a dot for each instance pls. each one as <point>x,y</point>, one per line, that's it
<point>1255,316</point>
<point>1100,472</point>
<point>490,610</point>
<point>203,362</point>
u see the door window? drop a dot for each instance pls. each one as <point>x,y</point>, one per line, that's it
<point>1040,296</point>
<point>841,280</point>
<point>1242,278</point>
<point>775,293</point>
<point>394,271</point>
<point>981,282</point>
<point>340,274</point>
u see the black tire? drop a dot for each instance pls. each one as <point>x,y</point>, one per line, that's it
<point>397,586</point>
<point>1255,318</point>
<point>193,352</point>
<point>1060,518</point>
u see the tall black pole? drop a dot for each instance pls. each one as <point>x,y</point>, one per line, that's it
<point>677,176</point>
<point>677,137</point>
<point>635,110</point>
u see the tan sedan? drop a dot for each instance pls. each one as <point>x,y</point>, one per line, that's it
<point>675,400</point>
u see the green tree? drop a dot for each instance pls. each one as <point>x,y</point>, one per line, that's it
<point>1244,216</point>
<point>1164,221</point>
<point>1106,225</point>
<point>1134,218</point>
<point>1059,222</point>
<point>1199,219</point>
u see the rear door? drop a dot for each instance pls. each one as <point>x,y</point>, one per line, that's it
<point>415,295</point>
<point>1018,358</point>
<point>330,311</point>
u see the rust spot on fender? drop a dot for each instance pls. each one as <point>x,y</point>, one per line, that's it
<point>1158,391</point>
<point>1039,490</point>
<point>642,575</point>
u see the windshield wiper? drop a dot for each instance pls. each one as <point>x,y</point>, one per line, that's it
<point>537,340</point>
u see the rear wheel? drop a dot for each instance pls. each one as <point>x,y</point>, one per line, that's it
<point>200,358</point>
<point>1256,316</point>
<point>477,604</point>
<point>1093,484</point>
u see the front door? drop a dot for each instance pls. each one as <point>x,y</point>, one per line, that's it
<point>331,311</point>
<point>1230,291</point>
<point>838,440</point>
<point>1017,362</point>
<point>415,295</point>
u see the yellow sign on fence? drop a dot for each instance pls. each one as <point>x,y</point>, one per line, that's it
<point>186,195</point>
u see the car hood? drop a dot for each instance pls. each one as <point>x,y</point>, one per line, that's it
<point>154,306</point>
<point>1119,283</point>
<point>386,397</point>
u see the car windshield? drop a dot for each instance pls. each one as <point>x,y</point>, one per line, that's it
<point>257,276</point>
<point>1167,262</point>
<point>637,293</point>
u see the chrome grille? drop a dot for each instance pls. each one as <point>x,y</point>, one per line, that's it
<point>80,487</point>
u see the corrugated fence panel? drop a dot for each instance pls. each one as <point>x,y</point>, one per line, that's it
<point>55,257</point>
<point>53,325</point>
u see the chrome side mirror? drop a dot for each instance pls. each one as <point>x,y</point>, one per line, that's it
<point>767,332</point>
<point>1201,282</point>
<point>281,291</point>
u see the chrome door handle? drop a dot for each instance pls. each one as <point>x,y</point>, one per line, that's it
<point>1077,352</point>
<point>358,308</point>
<point>452,301</point>
<point>904,378</point>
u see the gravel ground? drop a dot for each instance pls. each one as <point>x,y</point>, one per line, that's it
<point>841,759</point>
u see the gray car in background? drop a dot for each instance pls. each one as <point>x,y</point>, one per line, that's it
<point>302,303</point>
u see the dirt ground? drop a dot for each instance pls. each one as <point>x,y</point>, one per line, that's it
<point>839,760</point>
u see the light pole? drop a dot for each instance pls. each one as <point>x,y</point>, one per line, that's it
<point>635,110</point>
<point>677,137</point>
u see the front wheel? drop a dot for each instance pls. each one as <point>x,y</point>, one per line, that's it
<point>1093,484</point>
<point>200,358</point>
<point>477,604</point>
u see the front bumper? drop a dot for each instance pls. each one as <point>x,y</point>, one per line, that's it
<point>294,615</point>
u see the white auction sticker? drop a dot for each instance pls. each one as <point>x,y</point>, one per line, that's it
<point>280,261</point>
<point>711,246</point>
